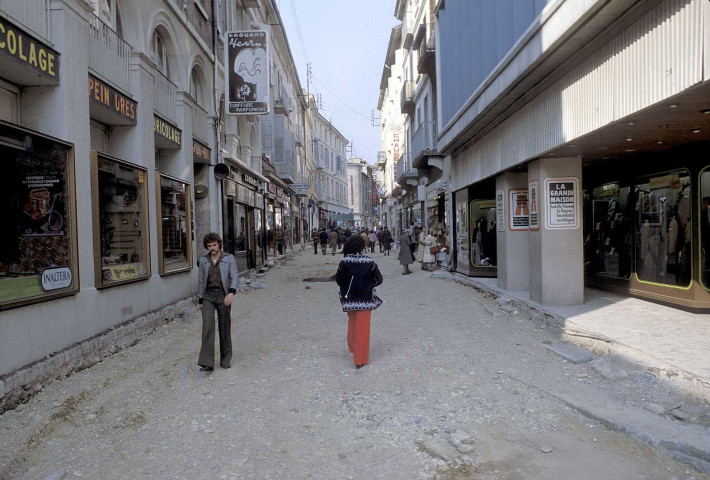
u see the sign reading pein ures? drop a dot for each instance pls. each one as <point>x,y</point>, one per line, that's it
<point>122,108</point>
<point>247,62</point>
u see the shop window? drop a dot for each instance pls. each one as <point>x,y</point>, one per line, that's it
<point>484,250</point>
<point>610,249</point>
<point>663,229</point>
<point>121,221</point>
<point>174,227</point>
<point>705,228</point>
<point>37,240</point>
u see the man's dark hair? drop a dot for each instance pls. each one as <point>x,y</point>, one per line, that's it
<point>212,237</point>
<point>354,245</point>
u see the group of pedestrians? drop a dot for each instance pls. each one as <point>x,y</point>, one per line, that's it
<point>420,242</point>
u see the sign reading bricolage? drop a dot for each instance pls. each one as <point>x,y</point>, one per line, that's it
<point>247,62</point>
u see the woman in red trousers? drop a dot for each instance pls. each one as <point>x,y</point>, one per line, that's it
<point>357,278</point>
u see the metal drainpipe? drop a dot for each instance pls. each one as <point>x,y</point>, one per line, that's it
<point>215,105</point>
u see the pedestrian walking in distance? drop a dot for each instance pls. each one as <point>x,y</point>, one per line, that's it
<point>372,238</point>
<point>217,284</point>
<point>406,257</point>
<point>323,235</point>
<point>333,240</point>
<point>357,277</point>
<point>386,240</point>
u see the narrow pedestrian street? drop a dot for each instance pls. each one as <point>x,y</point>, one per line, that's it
<point>456,389</point>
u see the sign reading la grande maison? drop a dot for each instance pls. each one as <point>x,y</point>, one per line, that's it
<point>23,48</point>
<point>110,98</point>
<point>166,131</point>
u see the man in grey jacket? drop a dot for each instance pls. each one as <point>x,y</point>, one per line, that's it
<point>218,282</point>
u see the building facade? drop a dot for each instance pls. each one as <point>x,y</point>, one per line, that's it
<point>329,176</point>
<point>575,133</point>
<point>410,159</point>
<point>109,189</point>
<point>363,197</point>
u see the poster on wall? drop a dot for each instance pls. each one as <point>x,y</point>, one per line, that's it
<point>518,208</point>
<point>43,197</point>
<point>561,203</point>
<point>247,62</point>
<point>500,211</point>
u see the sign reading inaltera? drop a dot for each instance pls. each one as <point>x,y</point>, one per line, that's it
<point>56,278</point>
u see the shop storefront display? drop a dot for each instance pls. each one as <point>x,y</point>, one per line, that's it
<point>608,246</point>
<point>121,222</point>
<point>38,242</point>
<point>705,227</point>
<point>483,248</point>
<point>174,227</point>
<point>664,229</point>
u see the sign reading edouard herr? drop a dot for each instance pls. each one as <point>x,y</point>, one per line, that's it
<point>247,62</point>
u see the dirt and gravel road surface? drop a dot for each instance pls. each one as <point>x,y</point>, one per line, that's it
<point>456,389</point>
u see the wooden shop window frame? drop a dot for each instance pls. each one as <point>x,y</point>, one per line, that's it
<point>145,223</point>
<point>73,242</point>
<point>188,220</point>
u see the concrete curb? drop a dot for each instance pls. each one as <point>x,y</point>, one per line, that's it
<point>594,341</point>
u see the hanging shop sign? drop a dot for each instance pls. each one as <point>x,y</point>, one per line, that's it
<point>166,135</point>
<point>39,63</point>
<point>533,205</point>
<point>200,152</point>
<point>110,106</point>
<point>258,200</point>
<point>249,180</point>
<point>247,61</point>
<point>500,211</point>
<point>519,218</point>
<point>251,198</point>
<point>561,203</point>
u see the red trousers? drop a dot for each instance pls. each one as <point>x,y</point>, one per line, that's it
<point>359,335</point>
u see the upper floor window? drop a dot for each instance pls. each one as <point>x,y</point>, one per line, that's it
<point>108,12</point>
<point>159,53</point>
<point>196,87</point>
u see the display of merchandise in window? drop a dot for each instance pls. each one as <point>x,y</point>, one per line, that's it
<point>705,228</point>
<point>122,221</point>
<point>484,249</point>
<point>664,229</point>
<point>175,224</point>
<point>37,255</point>
<point>609,244</point>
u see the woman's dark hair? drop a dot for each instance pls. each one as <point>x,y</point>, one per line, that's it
<point>354,245</point>
<point>212,237</point>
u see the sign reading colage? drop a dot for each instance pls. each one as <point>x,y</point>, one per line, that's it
<point>247,62</point>
<point>561,203</point>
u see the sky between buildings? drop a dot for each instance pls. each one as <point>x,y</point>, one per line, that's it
<point>346,42</point>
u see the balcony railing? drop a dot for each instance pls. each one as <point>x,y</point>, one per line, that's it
<point>109,54</point>
<point>164,94</point>
<point>407,100</point>
<point>423,140</point>
<point>283,103</point>
<point>381,159</point>
<point>427,54</point>
<point>199,123</point>
<point>31,14</point>
<point>404,166</point>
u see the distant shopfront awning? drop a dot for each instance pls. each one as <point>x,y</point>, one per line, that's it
<point>342,217</point>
